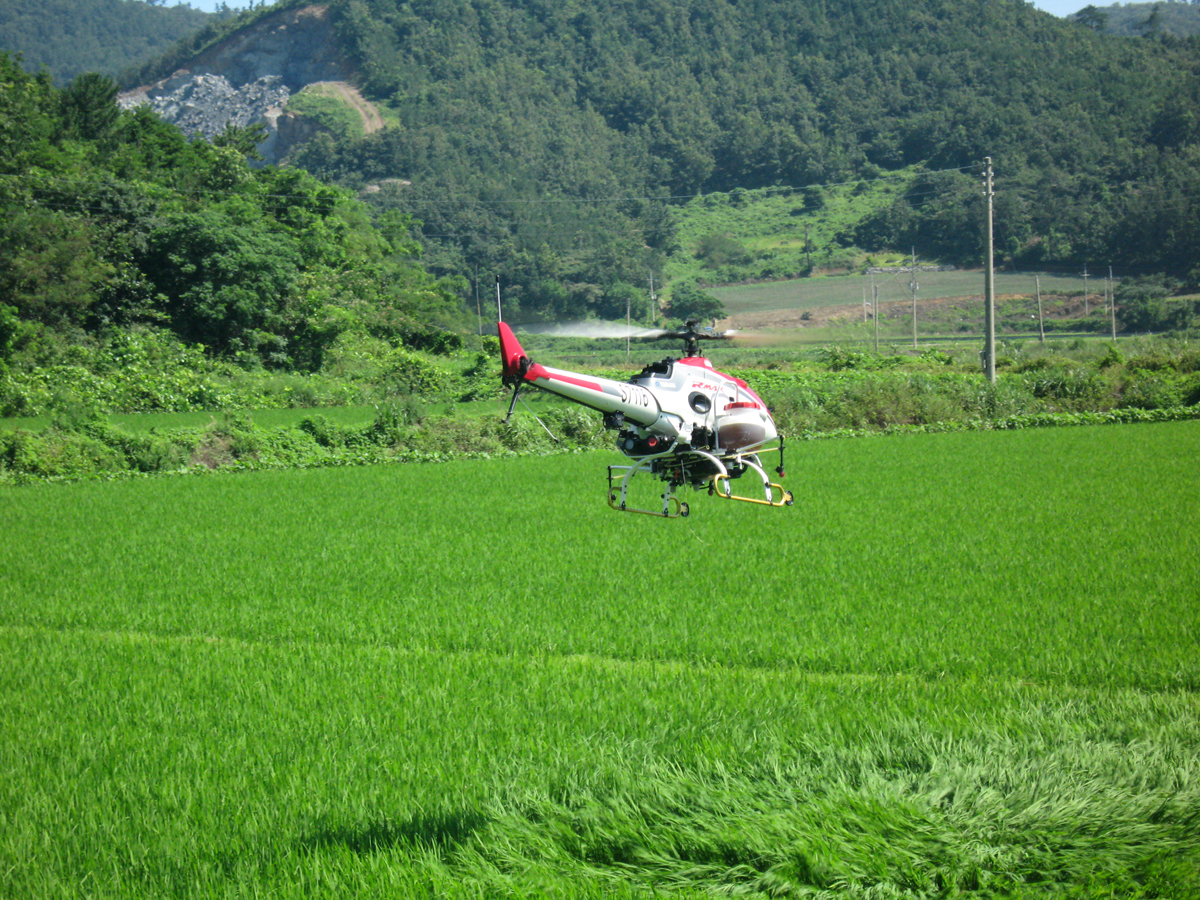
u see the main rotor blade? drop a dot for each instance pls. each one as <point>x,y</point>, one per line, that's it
<point>607,330</point>
<point>594,329</point>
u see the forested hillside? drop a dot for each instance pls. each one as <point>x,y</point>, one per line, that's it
<point>112,220</point>
<point>71,37</point>
<point>1175,18</point>
<point>550,141</point>
<point>554,145</point>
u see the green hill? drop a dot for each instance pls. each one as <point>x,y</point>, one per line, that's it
<point>579,152</point>
<point>1172,19</point>
<point>119,238</point>
<point>70,37</point>
<point>554,143</point>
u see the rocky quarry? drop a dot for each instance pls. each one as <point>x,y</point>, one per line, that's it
<point>205,104</point>
<point>248,78</point>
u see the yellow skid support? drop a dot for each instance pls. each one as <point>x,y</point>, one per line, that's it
<point>720,487</point>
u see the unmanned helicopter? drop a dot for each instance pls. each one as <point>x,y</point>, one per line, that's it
<point>679,420</point>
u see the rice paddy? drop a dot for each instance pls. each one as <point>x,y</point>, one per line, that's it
<point>962,665</point>
<point>816,293</point>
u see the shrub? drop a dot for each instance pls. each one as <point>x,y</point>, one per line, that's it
<point>1033,364</point>
<point>55,453</point>
<point>405,372</point>
<point>577,425</point>
<point>324,432</point>
<point>938,357</point>
<point>717,250</point>
<point>839,359</point>
<point>394,419</point>
<point>1151,391</point>
<point>1111,358</point>
<point>1190,392</point>
<point>1070,386</point>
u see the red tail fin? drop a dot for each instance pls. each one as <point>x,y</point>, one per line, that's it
<point>511,353</point>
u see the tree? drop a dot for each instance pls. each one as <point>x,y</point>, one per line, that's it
<point>67,38</point>
<point>1142,305</point>
<point>718,250</point>
<point>9,324</point>
<point>49,266</point>
<point>224,284</point>
<point>243,139</point>
<point>1153,24</point>
<point>89,108</point>
<point>27,120</point>
<point>689,303</point>
<point>891,228</point>
<point>1093,18</point>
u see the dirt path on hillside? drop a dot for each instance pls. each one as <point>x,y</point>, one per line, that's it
<point>371,120</point>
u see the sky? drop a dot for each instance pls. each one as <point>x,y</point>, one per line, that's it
<point>1066,7</point>
<point>1055,7</point>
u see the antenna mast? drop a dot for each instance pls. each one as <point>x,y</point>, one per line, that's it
<point>989,288</point>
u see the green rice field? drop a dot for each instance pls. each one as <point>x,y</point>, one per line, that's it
<point>962,665</point>
<point>815,293</point>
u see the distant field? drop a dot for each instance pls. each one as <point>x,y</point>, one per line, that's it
<point>962,665</point>
<point>815,293</point>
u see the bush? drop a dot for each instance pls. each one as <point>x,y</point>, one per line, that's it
<point>577,425</point>
<point>1190,392</point>
<point>1071,387</point>
<point>55,453</point>
<point>394,419</point>
<point>839,359</point>
<point>935,356</point>
<point>1143,305</point>
<point>718,250</point>
<point>405,373</point>
<point>324,432</point>
<point>1151,391</point>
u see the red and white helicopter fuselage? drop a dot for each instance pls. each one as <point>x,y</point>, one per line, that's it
<point>680,419</point>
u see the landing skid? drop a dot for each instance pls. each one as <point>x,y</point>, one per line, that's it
<point>672,506</point>
<point>718,483</point>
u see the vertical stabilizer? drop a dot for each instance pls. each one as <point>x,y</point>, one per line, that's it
<point>512,355</point>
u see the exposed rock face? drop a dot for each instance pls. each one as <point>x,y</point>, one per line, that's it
<point>247,79</point>
<point>206,104</point>
<point>296,44</point>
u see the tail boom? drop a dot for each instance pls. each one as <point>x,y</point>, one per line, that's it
<point>635,401</point>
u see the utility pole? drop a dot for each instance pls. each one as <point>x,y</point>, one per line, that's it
<point>478,307</point>
<point>989,289</point>
<point>912,286</point>
<point>1112,303</point>
<point>1037,280</point>
<point>628,306</point>
<point>1086,308</point>
<point>875,310</point>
